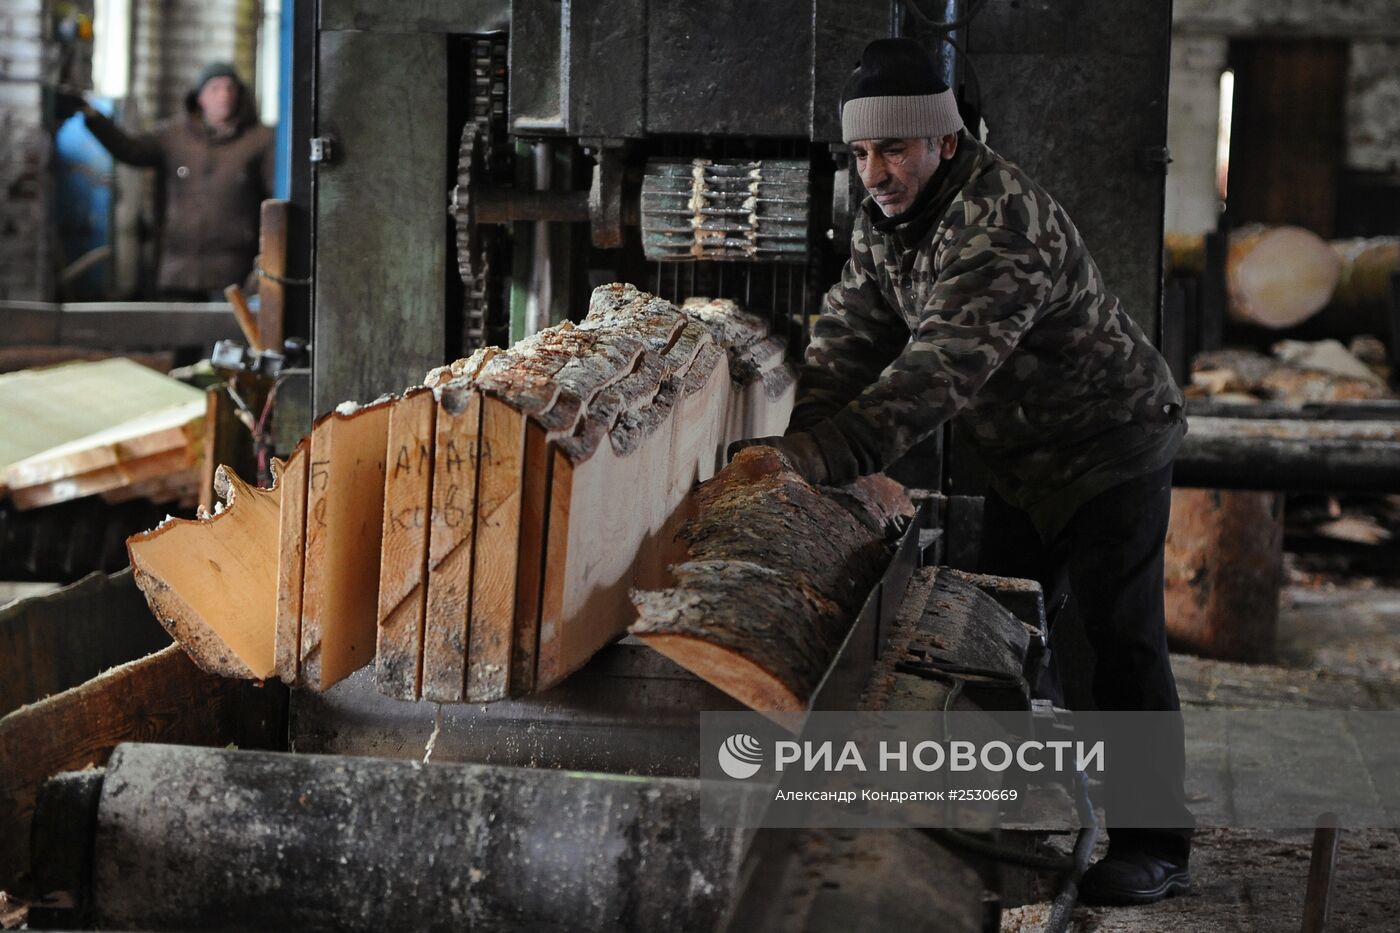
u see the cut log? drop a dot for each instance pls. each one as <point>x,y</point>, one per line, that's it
<point>451,543</point>
<point>291,564</point>
<point>1276,277</point>
<point>627,488</point>
<point>403,566</point>
<point>344,523</point>
<point>213,582</point>
<point>1367,266</point>
<point>1224,568</point>
<point>778,570</point>
<point>497,551</point>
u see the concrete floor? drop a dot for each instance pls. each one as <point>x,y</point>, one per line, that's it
<point>1338,647</point>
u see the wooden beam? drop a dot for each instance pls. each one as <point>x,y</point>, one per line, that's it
<point>344,524</point>
<point>291,564</point>
<point>451,541</point>
<point>496,554</point>
<point>272,259</point>
<point>403,567</point>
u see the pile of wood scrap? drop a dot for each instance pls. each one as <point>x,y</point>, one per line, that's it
<point>476,536</point>
<point>776,572</point>
<point>1297,372</point>
<point>112,427</point>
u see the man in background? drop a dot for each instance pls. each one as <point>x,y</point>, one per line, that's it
<point>217,163</point>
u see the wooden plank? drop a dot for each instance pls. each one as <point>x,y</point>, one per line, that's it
<point>170,464</point>
<point>403,567</point>
<point>344,524</point>
<point>213,582</point>
<point>496,552</point>
<point>272,259</point>
<point>55,641</point>
<point>451,543</point>
<point>54,406</point>
<point>534,509</point>
<point>174,428</point>
<point>291,564</point>
<point>163,697</point>
<point>558,534</point>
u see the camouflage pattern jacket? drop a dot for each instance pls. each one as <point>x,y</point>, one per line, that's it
<point>985,307</point>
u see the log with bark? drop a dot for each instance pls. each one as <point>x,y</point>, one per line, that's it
<point>777,570</point>
<point>1224,568</point>
<point>1280,277</point>
<point>478,536</point>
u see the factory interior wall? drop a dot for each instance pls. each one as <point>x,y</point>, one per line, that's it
<point>25,268</point>
<point>1368,187</point>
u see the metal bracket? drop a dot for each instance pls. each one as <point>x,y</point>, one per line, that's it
<point>605,199</point>
<point>322,149</point>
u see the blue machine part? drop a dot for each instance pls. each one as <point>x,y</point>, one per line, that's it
<point>83,201</point>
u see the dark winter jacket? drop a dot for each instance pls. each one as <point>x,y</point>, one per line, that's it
<point>214,187</point>
<point>985,306</point>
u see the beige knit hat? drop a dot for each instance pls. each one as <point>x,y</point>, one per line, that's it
<point>895,93</point>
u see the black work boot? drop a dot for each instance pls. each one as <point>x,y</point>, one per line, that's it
<point>1132,874</point>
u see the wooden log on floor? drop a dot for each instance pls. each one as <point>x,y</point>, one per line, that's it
<point>1224,568</point>
<point>213,582</point>
<point>344,524</point>
<point>162,697</point>
<point>291,565</point>
<point>778,570</point>
<point>403,566</point>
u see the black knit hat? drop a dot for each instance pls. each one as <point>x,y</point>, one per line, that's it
<point>896,93</point>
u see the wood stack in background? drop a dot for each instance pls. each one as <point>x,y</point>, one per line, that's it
<point>478,536</point>
<point>112,427</point>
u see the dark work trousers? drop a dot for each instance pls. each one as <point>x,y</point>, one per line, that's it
<point>1109,557</point>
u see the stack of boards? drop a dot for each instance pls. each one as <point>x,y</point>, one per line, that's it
<point>477,536</point>
<point>111,427</point>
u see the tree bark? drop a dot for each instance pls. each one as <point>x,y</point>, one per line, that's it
<point>778,570</point>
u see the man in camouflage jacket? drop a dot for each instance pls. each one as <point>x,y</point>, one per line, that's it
<point>971,297</point>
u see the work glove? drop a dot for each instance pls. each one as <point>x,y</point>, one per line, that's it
<point>821,456</point>
<point>66,104</point>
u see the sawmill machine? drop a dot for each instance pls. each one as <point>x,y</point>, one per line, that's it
<point>464,172</point>
<point>474,173</point>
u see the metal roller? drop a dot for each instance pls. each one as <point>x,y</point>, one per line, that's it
<point>203,839</point>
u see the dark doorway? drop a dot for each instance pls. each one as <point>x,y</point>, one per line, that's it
<point>1287,141</point>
